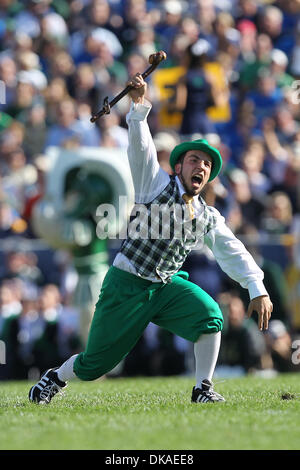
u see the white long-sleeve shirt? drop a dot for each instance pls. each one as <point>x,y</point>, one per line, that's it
<point>150,179</point>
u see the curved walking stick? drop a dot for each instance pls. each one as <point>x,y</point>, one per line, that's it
<point>154,60</point>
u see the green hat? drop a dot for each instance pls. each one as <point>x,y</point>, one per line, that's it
<point>200,144</point>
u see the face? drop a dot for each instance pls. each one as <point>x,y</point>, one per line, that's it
<point>194,171</point>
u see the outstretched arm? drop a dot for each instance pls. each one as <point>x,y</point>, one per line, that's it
<point>237,263</point>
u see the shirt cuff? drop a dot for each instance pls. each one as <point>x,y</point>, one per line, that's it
<point>256,289</point>
<point>138,111</point>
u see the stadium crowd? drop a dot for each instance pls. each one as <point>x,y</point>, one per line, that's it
<point>232,75</point>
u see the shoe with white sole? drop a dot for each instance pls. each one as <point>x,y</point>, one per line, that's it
<point>45,389</point>
<point>206,393</point>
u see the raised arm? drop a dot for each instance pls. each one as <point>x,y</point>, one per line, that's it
<point>148,177</point>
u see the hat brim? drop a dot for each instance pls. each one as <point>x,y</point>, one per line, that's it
<point>198,145</point>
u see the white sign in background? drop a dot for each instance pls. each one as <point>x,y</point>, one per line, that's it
<point>2,92</point>
<point>2,353</point>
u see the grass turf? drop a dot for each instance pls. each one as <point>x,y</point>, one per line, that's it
<point>154,413</point>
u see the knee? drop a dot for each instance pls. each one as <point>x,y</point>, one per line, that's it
<point>86,370</point>
<point>88,376</point>
<point>215,319</point>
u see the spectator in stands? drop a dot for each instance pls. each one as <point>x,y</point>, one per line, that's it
<point>189,29</point>
<point>20,177</point>
<point>24,266</point>
<point>134,13</point>
<point>277,154</point>
<point>286,127</point>
<point>164,141</point>
<point>277,222</point>
<point>158,352</point>
<point>25,94</point>
<point>6,220</point>
<point>279,344</point>
<point>206,15</point>
<point>35,131</point>
<point>24,330</point>
<point>279,64</point>
<point>145,43</point>
<point>266,97</point>
<point>252,162</point>
<point>225,31</point>
<point>271,23</point>
<point>42,164</point>
<point>279,214</point>
<point>9,299</point>
<point>69,131</point>
<point>83,87</point>
<point>10,310</point>
<point>28,20</point>
<point>60,335</point>
<point>248,10</point>
<point>243,344</point>
<point>248,40</point>
<point>99,14</point>
<point>251,206</point>
<point>170,22</point>
<point>111,126</point>
<point>274,277</point>
<point>295,56</point>
<point>253,65</point>
<point>55,93</point>
<point>205,272</point>
<point>194,92</point>
<point>8,75</point>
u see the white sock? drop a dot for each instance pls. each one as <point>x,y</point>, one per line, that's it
<point>206,351</point>
<point>65,372</point>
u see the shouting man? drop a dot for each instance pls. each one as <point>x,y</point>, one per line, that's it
<point>145,283</point>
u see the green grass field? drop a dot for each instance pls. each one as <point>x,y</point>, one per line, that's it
<point>156,413</point>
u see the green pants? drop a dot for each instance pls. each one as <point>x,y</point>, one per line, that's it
<point>127,304</point>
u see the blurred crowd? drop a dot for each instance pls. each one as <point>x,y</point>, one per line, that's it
<point>232,75</point>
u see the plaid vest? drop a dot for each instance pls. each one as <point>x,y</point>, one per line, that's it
<point>160,234</point>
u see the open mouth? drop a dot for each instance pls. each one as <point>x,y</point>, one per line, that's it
<point>197,180</point>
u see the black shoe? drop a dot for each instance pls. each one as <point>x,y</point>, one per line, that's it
<point>206,393</point>
<point>48,386</point>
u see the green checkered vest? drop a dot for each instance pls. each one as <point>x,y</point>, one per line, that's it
<point>160,234</point>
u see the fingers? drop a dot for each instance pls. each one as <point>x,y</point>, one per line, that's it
<point>264,310</point>
<point>267,315</point>
<point>261,321</point>
<point>137,81</point>
<point>264,317</point>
